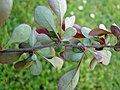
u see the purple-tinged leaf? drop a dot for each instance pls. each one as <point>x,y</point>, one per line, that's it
<point>59,7</point>
<point>79,34</point>
<point>9,57</point>
<point>99,32</point>
<point>115,30</point>
<point>5,9</point>
<point>103,56</point>
<point>93,63</point>
<point>22,65</point>
<point>69,80</point>
<point>42,30</point>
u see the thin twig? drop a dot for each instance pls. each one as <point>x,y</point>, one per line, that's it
<point>57,44</point>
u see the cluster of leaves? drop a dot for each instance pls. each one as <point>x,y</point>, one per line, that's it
<point>64,31</point>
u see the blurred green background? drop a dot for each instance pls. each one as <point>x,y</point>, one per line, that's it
<point>89,13</point>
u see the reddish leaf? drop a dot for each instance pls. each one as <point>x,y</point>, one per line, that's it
<point>78,28</point>
<point>116,31</point>
<point>79,34</point>
<point>101,41</point>
<point>99,32</point>
<point>9,57</point>
<point>63,26</point>
<point>61,54</point>
<point>42,30</point>
<point>22,65</point>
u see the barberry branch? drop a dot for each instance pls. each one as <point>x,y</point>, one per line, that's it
<point>58,44</point>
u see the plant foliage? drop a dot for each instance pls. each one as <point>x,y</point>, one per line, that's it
<point>64,33</point>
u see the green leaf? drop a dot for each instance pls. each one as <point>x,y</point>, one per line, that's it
<point>44,18</point>
<point>103,56</point>
<point>70,55</point>
<point>20,34</point>
<point>43,39</point>
<point>56,62</point>
<point>93,63</point>
<point>69,80</point>
<point>77,56</point>
<point>5,9</point>
<point>48,52</point>
<point>70,32</point>
<point>85,31</point>
<point>87,42</point>
<point>32,38</point>
<point>36,67</point>
<point>59,7</point>
<point>34,57</point>
<point>8,57</point>
<point>69,22</point>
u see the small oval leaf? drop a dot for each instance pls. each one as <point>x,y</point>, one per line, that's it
<point>5,9</point>
<point>43,39</point>
<point>48,52</point>
<point>59,7</point>
<point>103,56</point>
<point>99,32</point>
<point>20,34</point>
<point>32,38</point>
<point>56,62</point>
<point>69,22</point>
<point>85,31</point>
<point>69,80</point>
<point>44,18</point>
<point>22,65</point>
<point>36,67</point>
<point>70,32</point>
<point>8,57</point>
<point>115,30</point>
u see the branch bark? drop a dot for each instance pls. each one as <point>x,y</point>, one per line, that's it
<point>57,44</point>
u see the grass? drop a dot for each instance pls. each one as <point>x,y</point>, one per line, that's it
<point>102,78</point>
